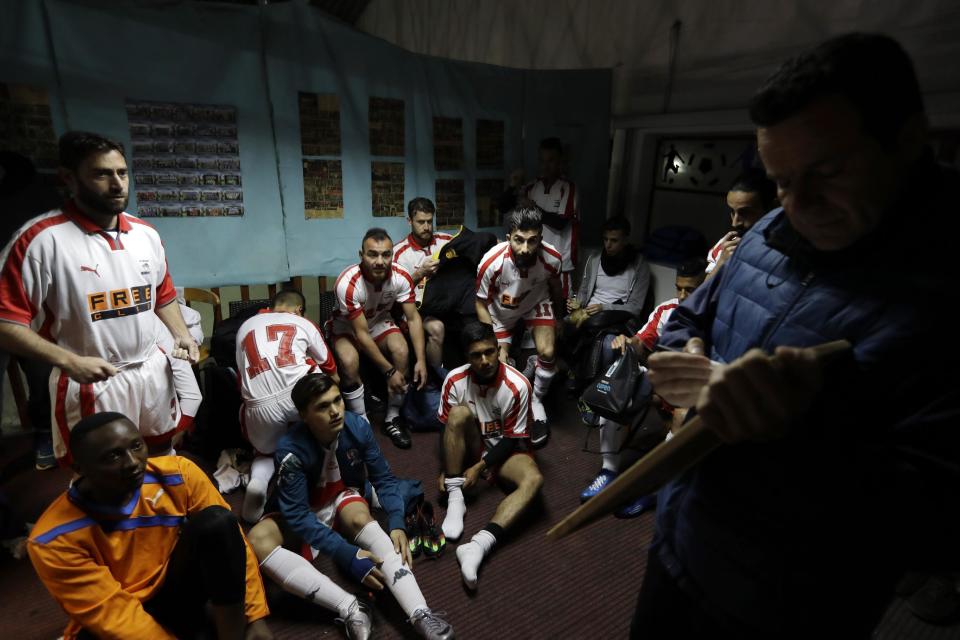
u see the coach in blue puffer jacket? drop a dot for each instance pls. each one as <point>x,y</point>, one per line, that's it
<point>833,480</point>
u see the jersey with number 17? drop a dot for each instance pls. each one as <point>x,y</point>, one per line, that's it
<point>275,349</point>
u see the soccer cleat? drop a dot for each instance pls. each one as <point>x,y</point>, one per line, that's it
<point>414,539</point>
<point>432,539</point>
<point>430,625</point>
<point>396,430</point>
<point>531,369</point>
<point>358,624</point>
<point>587,416</point>
<point>637,507</point>
<point>539,433</point>
<point>43,457</point>
<point>599,483</point>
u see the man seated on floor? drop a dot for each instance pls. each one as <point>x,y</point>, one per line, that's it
<point>275,348</point>
<point>319,504</point>
<point>362,324</point>
<point>519,281</point>
<point>690,275</point>
<point>485,405</point>
<point>137,547</point>
<point>415,253</point>
<point>751,195</point>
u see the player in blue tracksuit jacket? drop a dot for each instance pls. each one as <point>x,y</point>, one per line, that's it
<point>326,465</point>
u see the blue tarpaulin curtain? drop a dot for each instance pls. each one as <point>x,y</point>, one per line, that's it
<point>91,56</point>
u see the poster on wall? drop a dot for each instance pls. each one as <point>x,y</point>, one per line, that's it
<point>322,189</point>
<point>387,184</point>
<point>186,159</point>
<point>451,203</point>
<point>489,191</point>
<point>447,143</point>
<point>26,126</point>
<point>489,144</point>
<point>385,121</point>
<point>319,124</point>
<point>706,165</point>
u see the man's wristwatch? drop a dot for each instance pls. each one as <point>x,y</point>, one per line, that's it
<point>389,372</point>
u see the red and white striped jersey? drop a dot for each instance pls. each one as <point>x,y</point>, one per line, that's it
<point>513,291</point>
<point>92,291</point>
<point>410,255</point>
<point>356,294</point>
<point>501,407</point>
<point>275,349</point>
<point>562,199</point>
<point>714,255</point>
<point>651,331</point>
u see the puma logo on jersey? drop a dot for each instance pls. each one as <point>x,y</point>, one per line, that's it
<point>91,269</point>
<point>399,574</point>
<point>156,496</point>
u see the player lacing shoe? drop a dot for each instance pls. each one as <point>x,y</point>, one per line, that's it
<point>599,483</point>
<point>358,624</point>
<point>432,539</point>
<point>430,625</point>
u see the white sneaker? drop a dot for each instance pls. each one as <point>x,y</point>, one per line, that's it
<point>431,626</point>
<point>357,624</point>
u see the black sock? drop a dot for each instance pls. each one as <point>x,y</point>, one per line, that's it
<point>494,529</point>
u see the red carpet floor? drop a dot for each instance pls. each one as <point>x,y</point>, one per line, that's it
<point>581,587</point>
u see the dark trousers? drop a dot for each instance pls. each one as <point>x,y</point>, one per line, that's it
<point>208,564</point>
<point>37,374</point>
<point>665,611</point>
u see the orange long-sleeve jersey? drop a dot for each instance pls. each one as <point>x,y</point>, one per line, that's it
<point>100,565</point>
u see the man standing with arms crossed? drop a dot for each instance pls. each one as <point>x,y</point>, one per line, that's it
<point>82,288</point>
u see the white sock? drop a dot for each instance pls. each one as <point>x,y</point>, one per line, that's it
<point>542,376</point>
<point>610,444</point>
<point>531,368</point>
<point>261,470</point>
<point>400,580</point>
<point>536,407</point>
<point>297,576</point>
<point>456,508</point>
<point>354,401</point>
<point>471,554</point>
<point>394,402</point>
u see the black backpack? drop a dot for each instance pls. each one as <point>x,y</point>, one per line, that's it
<point>223,342</point>
<point>621,392</point>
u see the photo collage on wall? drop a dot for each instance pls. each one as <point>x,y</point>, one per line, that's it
<point>26,126</point>
<point>451,202</point>
<point>320,136</point>
<point>387,183</point>
<point>386,128</point>
<point>490,157</point>
<point>186,159</point>
<point>489,191</point>
<point>447,144</point>
<point>448,157</point>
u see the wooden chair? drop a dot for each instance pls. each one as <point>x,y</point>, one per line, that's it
<point>212,298</point>
<point>207,297</point>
